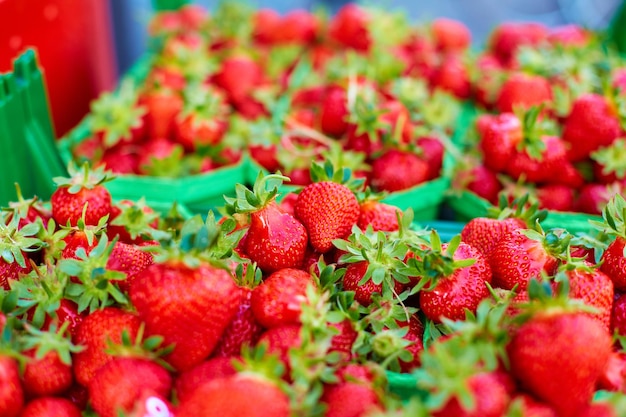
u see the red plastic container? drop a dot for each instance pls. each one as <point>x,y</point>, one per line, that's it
<point>74,42</point>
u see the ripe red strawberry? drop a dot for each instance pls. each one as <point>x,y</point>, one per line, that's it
<point>491,398</point>
<point>277,301</point>
<point>614,262</point>
<point>593,197</point>
<point>238,76</point>
<point>189,306</point>
<point>298,27</point>
<point>280,340</point>
<point>160,152</point>
<point>499,139</point>
<point>328,210</point>
<point>618,315</point>
<point>343,341</point>
<point>347,398</point>
<point>128,259</point>
<point>46,376</point>
<point>452,76</point>
<point>349,27</point>
<point>120,160</point>
<point>398,170</point>
<point>11,392</point>
<point>83,187</point>
<point>334,112</point>
<point>275,239</point>
<point>484,233</point>
<point>432,150</point>
<point>521,90</point>
<point>15,246</point>
<point>132,221</point>
<point>244,329</point>
<point>591,124</point>
<point>94,333</point>
<point>517,258</point>
<point>509,36</point>
<point>458,287</point>
<point>28,210</point>
<point>556,197</point>
<point>202,121</point>
<point>50,407</point>
<point>540,353</point>
<point>163,105</point>
<point>237,395</point>
<point>122,382</point>
<point>450,35</point>
<point>593,287</point>
<point>379,216</point>
<point>215,368</point>
<point>265,23</point>
<point>363,292</point>
<point>569,35</point>
<point>479,179</point>
<point>415,335</point>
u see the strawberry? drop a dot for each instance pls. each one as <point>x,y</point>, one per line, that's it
<point>298,27</point>
<point>328,210</point>
<point>608,162</point>
<point>593,197</point>
<point>432,150</point>
<point>349,28</point>
<point>121,382</point>
<point>618,315</point>
<point>265,24</point>
<point>130,260</point>
<point>379,216</point>
<point>556,197</point>
<point>238,76</point>
<point>185,297</point>
<point>569,35</point>
<point>545,369</point>
<point>188,306</point>
<point>499,137</point>
<point>82,188</point>
<point>275,239</point>
<point>334,112</point>
<point>244,329</point>
<point>277,301</point>
<point>161,157</point>
<point>163,105</point>
<point>589,284</point>
<point>461,274</point>
<point>450,35</point>
<point>509,36</point>
<point>215,368</point>
<point>531,407</point>
<point>94,332</point>
<point>490,398</point>
<point>15,245</point>
<point>452,76</point>
<point>82,236</point>
<point>347,399</point>
<point>28,210</point>
<point>523,255</point>
<point>11,392</point>
<point>473,176</point>
<point>363,292</point>
<point>280,340</point>
<point>521,90</point>
<point>237,395</point>
<point>415,335</point>
<point>484,233</point>
<point>50,407</point>
<point>591,124</point>
<point>47,375</point>
<point>397,170</point>
<point>132,221</point>
<point>120,160</point>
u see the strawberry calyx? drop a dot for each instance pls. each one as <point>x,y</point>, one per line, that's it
<point>364,108</point>
<point>247,274</point>
<point>384,256</point>
<point>614,217</point>
<point>16,241</point>
<point>202,103</point>
<point>149,348</point>
<point>96,287</point>
<point>264,191</point>
<point>534,130</point>
<point>117,114</point>
<point>519,208</point>
<point>39,292</point>
<point>23,207</point>
<point>201,241</point>
<point>53,240</point>
<point>555,242</point>
<point>83,177</point>
<point>51,340</point>
<point>612,158</point>
<point>138,219</point>
<point>331,172</point>
<point>170,166</point>
<point>434,263</point>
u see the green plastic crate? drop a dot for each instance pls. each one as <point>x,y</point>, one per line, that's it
<point>161,5</point>
<point>29,156</point>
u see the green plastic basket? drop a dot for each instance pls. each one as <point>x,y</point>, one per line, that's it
<point>27,144</point>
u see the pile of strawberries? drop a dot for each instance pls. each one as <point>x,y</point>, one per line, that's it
<point>364,88</point>
<point>299,308</point>
<point>556,124</point>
